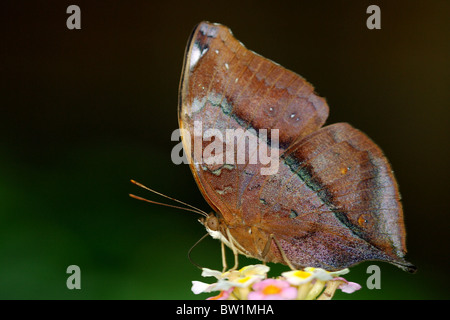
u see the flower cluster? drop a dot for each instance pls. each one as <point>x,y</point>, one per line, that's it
<point>251,283</point>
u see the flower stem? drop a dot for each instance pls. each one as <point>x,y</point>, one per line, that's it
<point>330,290</point>
<point>315,290</point>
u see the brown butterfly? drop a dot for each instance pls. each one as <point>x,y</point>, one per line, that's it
<point>333,200</point>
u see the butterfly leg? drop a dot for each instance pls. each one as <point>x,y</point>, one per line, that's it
<point>233,248</point>
<point>283,254</point>
<point>224,259</point>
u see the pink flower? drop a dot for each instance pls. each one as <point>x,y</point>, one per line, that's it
<point>347,286</point>
<point>272,289</point>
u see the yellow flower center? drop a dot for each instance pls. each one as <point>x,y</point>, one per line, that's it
<point>302,274</point>
<point>243,280</point>
<point>271,289</point>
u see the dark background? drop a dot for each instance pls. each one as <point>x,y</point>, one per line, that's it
<point>83,111</point>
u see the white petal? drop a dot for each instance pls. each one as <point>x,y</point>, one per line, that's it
<point>257,269</point>
<point>199,287</point>
<point>222,285</point>
<point>340,272</point>
<point>211,273</point>
<point>321,274</point>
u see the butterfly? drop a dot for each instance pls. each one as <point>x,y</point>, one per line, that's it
<point>332,201</point>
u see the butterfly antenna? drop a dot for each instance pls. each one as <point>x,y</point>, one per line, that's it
<point>190,207</point>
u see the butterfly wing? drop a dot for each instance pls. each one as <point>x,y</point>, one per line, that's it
<point>332,201</point>
<point>337,197</point>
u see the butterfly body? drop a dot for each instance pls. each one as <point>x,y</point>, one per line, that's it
<point>330,201</point>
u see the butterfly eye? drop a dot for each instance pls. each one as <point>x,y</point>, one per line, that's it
<point>212,222</point>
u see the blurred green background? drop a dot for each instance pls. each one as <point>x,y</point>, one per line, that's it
<point>83,111</point>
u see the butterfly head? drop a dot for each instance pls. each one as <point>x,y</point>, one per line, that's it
<point>211,222</point>
<point>215,226</point>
